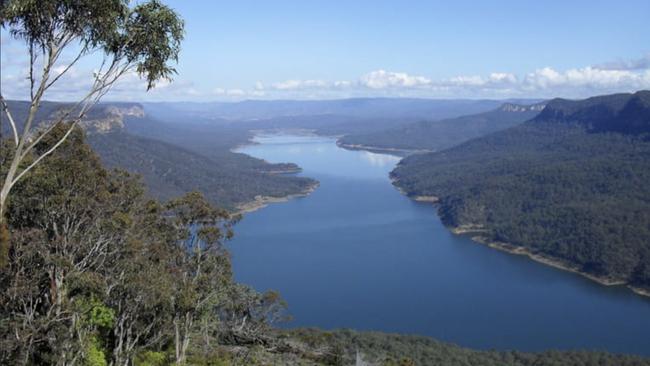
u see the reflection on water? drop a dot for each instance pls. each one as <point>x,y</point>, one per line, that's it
<point>294,150</point>
<point>358,254</point>
<point>319,155</point>
<point>380,160</point>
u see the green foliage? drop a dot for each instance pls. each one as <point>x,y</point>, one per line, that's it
<point>95,23</point>
<point>150,358</point>
<point>94,355</point>
<point>87,242</point>
<point>571,184</point>
<point>147,35</point>
<point>154,33</point>
<point>394,349</point>
<point>212,360</point>
<point>100,315</point>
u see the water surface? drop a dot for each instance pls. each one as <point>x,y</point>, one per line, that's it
<point>358,254</point>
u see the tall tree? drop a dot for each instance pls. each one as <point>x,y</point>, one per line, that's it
<point>202,264</point>
<point>143,39</point>
<point>69,225</point>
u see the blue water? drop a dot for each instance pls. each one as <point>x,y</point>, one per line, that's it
<point>358,254</point>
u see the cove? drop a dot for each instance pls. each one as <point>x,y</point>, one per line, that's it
<point>358,254</point>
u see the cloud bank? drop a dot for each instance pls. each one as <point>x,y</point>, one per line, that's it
<point>540,83</point>
<point>545,82</point>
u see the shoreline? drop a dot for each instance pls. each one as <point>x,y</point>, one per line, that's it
<point>422,198</point>
<point>262,201</point>
<point>469,229</point>
<point>548,260</point>
<point>429,199</point>
<point>284,171</point>
<point>272,131</point>
<point>384,150</point>
<point>544,259</point>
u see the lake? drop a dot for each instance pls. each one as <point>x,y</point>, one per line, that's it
<point>358,254</point>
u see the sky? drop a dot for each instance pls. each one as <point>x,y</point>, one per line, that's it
<point>236,50</point>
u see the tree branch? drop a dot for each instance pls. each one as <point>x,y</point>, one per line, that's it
<point>100,87</point>
<point>5,108</point>
<point>32,60</point>
<point>48,152</point>
<point>67,68</point>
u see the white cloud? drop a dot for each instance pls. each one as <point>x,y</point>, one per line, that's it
<point>342,84</point>
<point>229,92</point>
<point>382,79</point>
<point>465,81</point>
<point>300,84</point>
<point>585,79</point>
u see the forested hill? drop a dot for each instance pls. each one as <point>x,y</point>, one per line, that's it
<point>570,185</point>
<point>623,113</point>
<point>176,158</point>
<point>438,135</point>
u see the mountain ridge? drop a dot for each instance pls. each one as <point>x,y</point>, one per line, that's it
<point>624,112</point>
<point>434,135</point>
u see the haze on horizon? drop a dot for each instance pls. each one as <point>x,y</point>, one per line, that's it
<point>325,50</point>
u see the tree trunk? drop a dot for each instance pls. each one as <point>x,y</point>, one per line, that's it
<point>177,339</point>
<point>5,243</point>
<point>182,336</point>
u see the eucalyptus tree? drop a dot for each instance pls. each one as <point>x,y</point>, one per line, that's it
<point>202,265</point>
<point>73,224</point>
<point>143,39</point>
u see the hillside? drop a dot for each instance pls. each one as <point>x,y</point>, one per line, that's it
<point>169,171</point>
<point>438,135</point>
<point>568,187</point>
<point>315,347</point>
<point>384,349</point>
<point>177,158</point>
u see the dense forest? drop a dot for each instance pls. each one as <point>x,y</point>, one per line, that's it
<point>174,160</point>
<point>403,350</point>
<point>97,274</point>
<point>571,184</point>
<point>438,135</point>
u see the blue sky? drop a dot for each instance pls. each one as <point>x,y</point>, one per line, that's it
<point>331,49</point>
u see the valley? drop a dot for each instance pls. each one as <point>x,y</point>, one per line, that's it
<point>356,253</point>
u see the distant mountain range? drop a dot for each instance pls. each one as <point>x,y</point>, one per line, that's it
<point>569,187</point>
<point>405,108</point>
<point>437,135</point>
